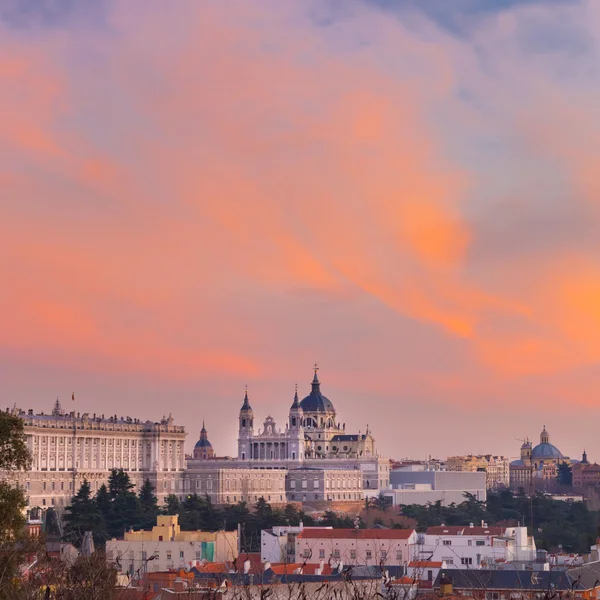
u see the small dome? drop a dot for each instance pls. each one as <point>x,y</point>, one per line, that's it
<point>546,451</point>
<point>203,444</point>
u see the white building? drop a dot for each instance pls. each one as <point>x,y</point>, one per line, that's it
<point>311,484</point>
<point>166,547</point>
<point>278,544</point>
<point>424,570</point>
<point>67,448</point>
<point>496,468</point>
<point>390,547</point>
<point>420,487</point>
<point>235,484</point>
<point>312,440</point>
<point>477,547</point>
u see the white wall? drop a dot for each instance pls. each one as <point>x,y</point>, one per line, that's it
<point>463,551</point>
<point>395,552</point>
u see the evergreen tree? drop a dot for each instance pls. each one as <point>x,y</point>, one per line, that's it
<point>564,475</point>
<point>148,505</point>
<point>125,511</point>
<point>83,515</point>
<point>119,483</point>
<point>172,505</point>
<point>103,501</point>
<point>291,515</point>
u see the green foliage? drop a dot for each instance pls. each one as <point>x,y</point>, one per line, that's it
<point>172,505</point>
<point>123,508</point>
<point>12,505</point>
<point>148,506</point>
<point>83,515</point>
<point>556,523</point>
<point>564,475</point>
<point>331,519</point>
<point>14,454</point>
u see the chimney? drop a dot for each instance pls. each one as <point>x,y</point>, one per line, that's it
<point>471,525</point>
<point>247,565</point>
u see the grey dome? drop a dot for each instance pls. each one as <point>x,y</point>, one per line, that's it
<point>203,444</point>
<point>546,451</point>
<point>315,401</point>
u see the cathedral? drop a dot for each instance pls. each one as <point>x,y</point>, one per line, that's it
<point>311,432</point>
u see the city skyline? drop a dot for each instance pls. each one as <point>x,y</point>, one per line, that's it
<point>219,196</point>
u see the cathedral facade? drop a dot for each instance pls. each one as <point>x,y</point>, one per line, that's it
<point>312,447</point>
<point>311,432</point>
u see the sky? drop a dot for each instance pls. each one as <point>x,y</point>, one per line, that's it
<point>200,195</point>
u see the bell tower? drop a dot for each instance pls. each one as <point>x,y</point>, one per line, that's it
<point>295,430</point>
<point>246,428</point>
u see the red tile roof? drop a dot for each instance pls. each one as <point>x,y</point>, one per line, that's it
<point>464,530</point>
<point>360,534</point>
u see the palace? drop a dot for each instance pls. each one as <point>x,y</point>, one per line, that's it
<point>67,448</point>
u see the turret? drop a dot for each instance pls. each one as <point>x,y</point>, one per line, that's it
<point>246,416</point>
<point>544,437</point>
<point>296,412</point>
<point>246,430</point>
<point>526,452</point>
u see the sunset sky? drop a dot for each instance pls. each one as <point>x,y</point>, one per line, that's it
<point>197,195</point>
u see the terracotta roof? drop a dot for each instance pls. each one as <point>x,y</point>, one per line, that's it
<point>308,569</point>
<point>464,530</point>
<point>285,568</point>
<point>360,534</point>
<point>422,564</point>
<point>212,567</point>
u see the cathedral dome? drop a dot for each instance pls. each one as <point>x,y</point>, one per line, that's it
<point>203,444</point>
<point>546,450</point>
<point>315,401</point>
<point>203,448</point>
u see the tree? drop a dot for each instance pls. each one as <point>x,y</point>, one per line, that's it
<point>119,483</point>
<point>564,475</point>
<point>125,509</point>
<point>148,504</point>
<point>83,515</point>
<point>172,505</point>
<point>14,454</point>
<point>14,457</point>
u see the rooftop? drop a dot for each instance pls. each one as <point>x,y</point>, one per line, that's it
<point>465,530</point>
<point>360,534</point>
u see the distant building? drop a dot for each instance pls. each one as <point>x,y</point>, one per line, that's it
<point>389,547</point>
<point>421,487</point>
<point>585,474</point>
<point>203,449</point>
<point>67,448</point>
<point>166,547</point>
<point>312,448</point>
<point>496,468</point>
<point>324,484</point>
<point>233,484</point>
<point>278,544</point>
<point>537,462</point>
<point>476,546</point>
